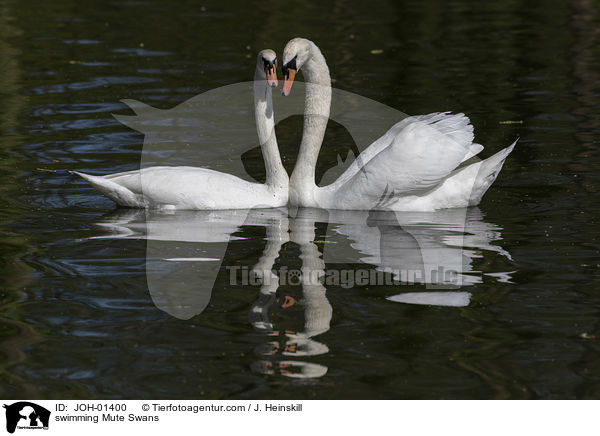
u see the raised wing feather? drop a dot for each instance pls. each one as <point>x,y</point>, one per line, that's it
<point>413,156</point>
<point>457,127</point>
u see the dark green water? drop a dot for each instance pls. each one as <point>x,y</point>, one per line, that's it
<point>78,318</point>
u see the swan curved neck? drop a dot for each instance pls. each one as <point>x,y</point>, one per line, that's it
<point>316,113</point>
<point>265,126</point>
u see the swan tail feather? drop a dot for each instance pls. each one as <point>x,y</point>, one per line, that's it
<point>109,188</point>
<point>487,173</point>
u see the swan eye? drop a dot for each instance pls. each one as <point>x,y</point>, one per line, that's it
<point>268,65</point>
<point>291,65</point>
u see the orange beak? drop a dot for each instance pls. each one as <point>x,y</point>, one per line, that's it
<point>272,77</point>
<point>288,81</point>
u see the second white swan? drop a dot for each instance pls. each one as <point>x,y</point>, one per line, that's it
<point>184,187</point>
<point>413,167</point>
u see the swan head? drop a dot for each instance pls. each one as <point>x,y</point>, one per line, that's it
<point>267,63</point>
<point>295,54</point>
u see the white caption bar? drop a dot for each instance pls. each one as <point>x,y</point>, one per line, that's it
<point>23,417</point>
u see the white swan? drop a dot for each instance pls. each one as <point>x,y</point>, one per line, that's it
<point>184,187</point>
<point>413,167</point>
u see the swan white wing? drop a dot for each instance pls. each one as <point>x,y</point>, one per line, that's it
<point>441,120</point>
<point>424,153</point>
<point>474,150</point>
<point>420,154</point>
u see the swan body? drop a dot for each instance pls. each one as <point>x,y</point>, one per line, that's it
<point>185,187</point>
<point>413,167</point>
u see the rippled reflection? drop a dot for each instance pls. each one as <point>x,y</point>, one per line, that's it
<point>428,258</point>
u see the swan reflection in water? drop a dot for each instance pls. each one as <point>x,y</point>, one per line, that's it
<point>431,250</point>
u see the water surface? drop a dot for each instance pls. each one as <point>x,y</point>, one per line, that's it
<point>90,308</point>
